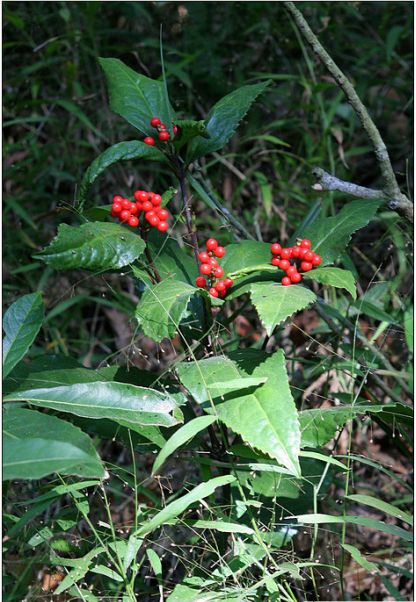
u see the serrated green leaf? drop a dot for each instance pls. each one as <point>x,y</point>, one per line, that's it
<point>275,302</point>
<point>181,436</point>
<point>245,257</point>
<point>223,119</point>
<point>385,507</point>
<point>331,235</point>
<point>162,307</point>
<point>92,246</point>
<point>115,401</point>
<point>188,129</point>
<point>21,324</point>
<point>334,277</point>
<point>134,96</point>
<point>171,260</point>
<point>174,509</point>
<point>123,151</point>
<point>35,445</point>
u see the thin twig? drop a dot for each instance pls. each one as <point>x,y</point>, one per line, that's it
<point>397,201</point>
<point>328,182</point>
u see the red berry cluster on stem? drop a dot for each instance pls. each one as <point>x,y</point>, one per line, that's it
<point>147,202</point>
<point>307,259</point>
<point>163,134</point>
<point>211,269</point>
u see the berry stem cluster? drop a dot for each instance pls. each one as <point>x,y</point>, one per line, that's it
<point>302,252</point>
<point>161,128</point>
<point>147,202</point>
<point>210,268</point>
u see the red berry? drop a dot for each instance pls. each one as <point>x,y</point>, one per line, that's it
<point>133,208</point>
<point>205,269</point>
<point>139,207</point>
<point>286,281</point>
<point>275,248</point>
<point>164,136</point>
<point>201,282</point>
<point>228,282</point>
<point>213,262</point>
<point>317,259</point>
<point>218,272</point>
<point>295,251</point>
<point>154,122</point>
<point>213,292</point>
<point>124,215</point>
<point>296,277</point>
<point>305,243</point>
<point>211,244</point>
<point>163,226</point>
<point>291,270</point>
<point>219,252</point>
<point>305,266</point>
<point>154,220</point>
<point>148,215</point>
<point>125,203</point>
<point>275,261</point>
<point>114,213</point>
<point>284,264</point>
<point>309,255</point>
<point>133,221</point>
<point>175,129</point>
<point>117,198</point>
<point>116,208</point>
<point>141,195</point>
<point>156,199</point>
<point>302,253</point>
<point>220,286</point>
<point>162,126</point>
<point>286,253</point>
<point>149,140</point>
<point>204,257</point>
<point>163,214</point>
<point>147,206</point>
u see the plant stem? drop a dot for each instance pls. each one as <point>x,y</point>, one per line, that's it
<point>149,256</point>
<point>187,209</point>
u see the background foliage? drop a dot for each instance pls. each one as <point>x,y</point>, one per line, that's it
<point>57,120</point>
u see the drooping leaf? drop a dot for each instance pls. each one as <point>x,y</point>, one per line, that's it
<point>223,119</point>
<point>359,558</point>
<point>181,436</point>
<point>162,307</point>
<point>408,328</point>
<point>266,418</point>
<point>21,324</point>
<point>334,277</point>
<point>275,302</point>
<point>385,507</point>
<point>36,445</point>
<point>174,509</point>
<point>134,96</point>
<point>122,151</point>
<point>331,235</point>
<point>93,246</point>
<point>115,401</point>
<point>81,567</point>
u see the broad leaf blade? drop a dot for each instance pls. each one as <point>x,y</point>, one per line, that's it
<point>21,324</point>
<point>93,246</point>
<point>275,302</point>
<point>135,97</point>
<point>223,119</point>
<point>115,401</point>
<point>123,151</point>
<point>334,277</point>
<point>331,235</point>
<point>36,445</point>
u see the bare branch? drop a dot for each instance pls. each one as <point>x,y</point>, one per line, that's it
<point>327,182</point>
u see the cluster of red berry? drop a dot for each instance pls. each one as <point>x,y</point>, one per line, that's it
<point>301,251</point>
<point>211,269</point>
<point>163,134</point>
<point>148,202</point>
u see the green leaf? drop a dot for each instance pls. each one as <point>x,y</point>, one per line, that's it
<point>334,277</point>
<point>115,401</point>
<point>155,562</point>
<point>174,509</point>
<point>275,302</point>
<point>224,118</point>
<point>162,307</point>
<point>266,191</point>
<point>93,246</point>
<point>21,324</point>
<point>171,260</point>
<point>409,327</point>
<point>316,519</point>
<point>81,567</point>
<point>123,151</point>
<point>359,558</point>
<point>331,235</point>
<point>373,502</point>
<point>323,458</point>
<point>101,569</point>
<point>187,130</point>
<point>245,257</point>
<point>36,445</point>
<point>135,97</point>
<point>133,546</point>
<point>219,525</point>
<point>181,436</point>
